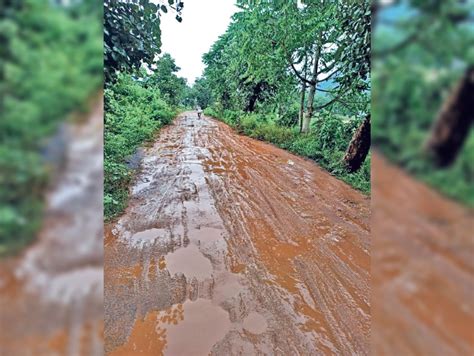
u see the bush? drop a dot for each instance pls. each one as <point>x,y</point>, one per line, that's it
<point>133,115</point>
<point>51,63</point>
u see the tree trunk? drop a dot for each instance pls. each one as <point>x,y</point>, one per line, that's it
<point>312,92</point>
<point>309,110</point>
<point>250,107</point>
<point>358,147</point>
<point>301,113</point>
<point>303,93</point>
<point>452,126</point>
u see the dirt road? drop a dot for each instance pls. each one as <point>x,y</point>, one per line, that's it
<point>422,268</point>
<point>51,296</point>
<point>231,246</point>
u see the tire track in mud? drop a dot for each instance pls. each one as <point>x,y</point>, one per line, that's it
<point>232,246</point>
<point>422,268</point>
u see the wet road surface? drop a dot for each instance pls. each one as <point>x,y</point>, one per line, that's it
<point>51,296</point>
<point>231,246</point>
<point>422,268</point>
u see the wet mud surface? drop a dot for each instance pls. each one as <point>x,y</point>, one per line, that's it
<point>51,296</point>
<point>422,268</point>
<point>231,246</point>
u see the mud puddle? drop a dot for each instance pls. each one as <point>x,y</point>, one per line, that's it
<point>226,248</point>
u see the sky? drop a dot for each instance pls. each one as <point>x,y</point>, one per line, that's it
<point>203,22</point>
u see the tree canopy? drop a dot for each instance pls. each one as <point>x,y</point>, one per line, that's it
<point>132,35</point>
<point>272,50</point>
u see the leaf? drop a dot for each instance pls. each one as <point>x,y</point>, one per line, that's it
<point>164,9</point>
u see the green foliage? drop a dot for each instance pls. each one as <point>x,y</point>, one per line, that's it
<point>171,87</point>
<point>132,34</point>
<point>413,75</point>
<point>199,94</point>
<point>50,63</point>
<point>133,114</point>
<point>354,48</point>
<point>272,53</point>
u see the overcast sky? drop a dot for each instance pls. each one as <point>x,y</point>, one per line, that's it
<point>203,22</point>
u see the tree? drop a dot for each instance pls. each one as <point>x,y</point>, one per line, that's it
<point>320,43</point>
<point>164,78</point>
<point>132,35</point>
<point>421,50</point>
<point>453,123</point>
<point>358,147</point>
<point>200,93</point>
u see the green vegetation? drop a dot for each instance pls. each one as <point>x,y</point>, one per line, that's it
<point>143,92</point>
<point>133,114</point>
<point>296,76</point>
<point>50,63</point>
<point>132,34</point>
<point>421,50</point>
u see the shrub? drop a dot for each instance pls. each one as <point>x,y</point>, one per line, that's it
<point>51,63</point>
<point>133,115</point>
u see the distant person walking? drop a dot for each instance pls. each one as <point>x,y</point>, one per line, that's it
<point>199,111</point>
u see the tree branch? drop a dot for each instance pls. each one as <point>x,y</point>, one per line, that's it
<point>330,75</point>
<point>300,77</point>
<point>327,69</point>
<point>332,101</point>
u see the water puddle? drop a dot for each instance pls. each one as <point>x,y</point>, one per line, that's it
<point>255,323</point>
<point>206,235</point>
<point>201,324</point>
<point>146,237</point>
<point>227,286</point>
<point>189,261</point>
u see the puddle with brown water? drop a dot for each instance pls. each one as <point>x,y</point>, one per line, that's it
<point>190,262</point>
<point>255,323</point>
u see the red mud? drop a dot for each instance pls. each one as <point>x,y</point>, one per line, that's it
<point>422,268</point>
<point>232,246</point>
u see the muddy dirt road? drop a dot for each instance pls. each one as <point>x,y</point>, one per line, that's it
<point>51,296</point>
<point>422,268</point>
<point>231,246</point>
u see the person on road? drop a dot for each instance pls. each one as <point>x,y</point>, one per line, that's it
<point>199,112</point>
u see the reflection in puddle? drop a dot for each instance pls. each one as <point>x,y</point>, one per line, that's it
<point>227,286</point>
<point>146,237</point>
<point>200,324</point>
<point>206,235</point>
<point>189,261</point>
<point>255,323</point>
